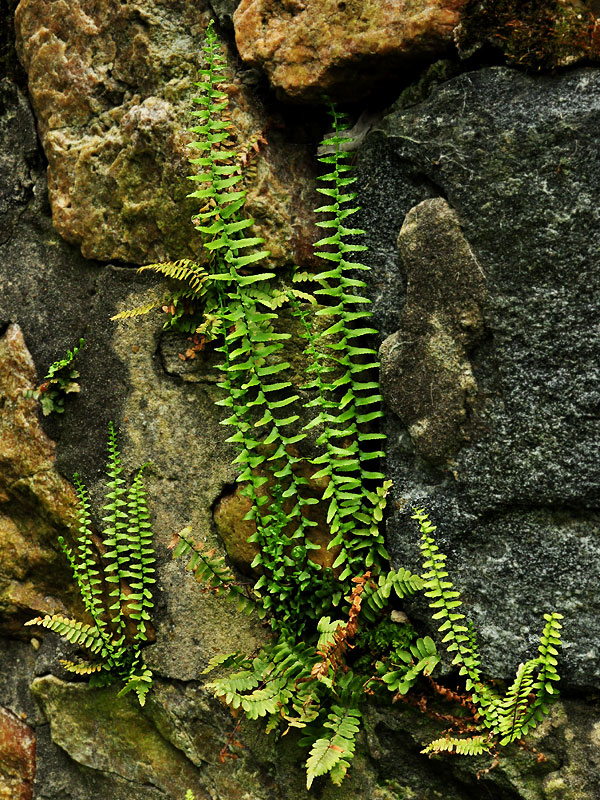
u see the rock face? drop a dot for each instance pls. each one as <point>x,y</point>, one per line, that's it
<point>480,205</point>
<point>517,506</point>
<point>312,47</point>
<point>112,88</point>
<point>538,35</point>
<point>425,365</point>
<point>36,503</point>
<point>17,757</point>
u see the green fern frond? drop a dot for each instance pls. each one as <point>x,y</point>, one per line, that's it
<point>64,363</point>
<point>420,658</point>
<point>345,370</point>
<point>142,560</point>
<point>129,563</point>
<point>332,754</point>
<point>117,556</point>
<point>212,571</point>
<point>472,746</point>
<point>139,681</point>
<point>376,596</point>
<point>445,601</point>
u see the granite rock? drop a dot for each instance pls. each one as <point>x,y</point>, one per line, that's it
<point>517,506</point>
<point>425,365</point>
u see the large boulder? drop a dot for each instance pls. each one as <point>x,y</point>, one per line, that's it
<point>506,458</point>
<point>312,47</point>
<point>112,90</point>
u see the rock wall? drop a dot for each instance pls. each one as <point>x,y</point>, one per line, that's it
<point>479,185</point>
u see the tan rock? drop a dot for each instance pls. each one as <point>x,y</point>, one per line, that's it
<point>344,48</point>
<point>112,89</point>
<point>17,757</point>
<point>36,503</point>
<point>426,373</point>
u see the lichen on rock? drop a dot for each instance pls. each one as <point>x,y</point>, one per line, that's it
<point>426,374</point>
<point>112,89</point>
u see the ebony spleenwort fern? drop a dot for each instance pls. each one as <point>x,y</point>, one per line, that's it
<point>115,583</point>
<point>345,371</point>
<point>507,717</point>
<point>309,677</point>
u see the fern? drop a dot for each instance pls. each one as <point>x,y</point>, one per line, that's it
<point>212,571</point>
<point>60,381</point>
<point>526,701</point>
<point>126,562</point>
<point>376,598</point>
<point>420,658</point>
<point>333,753</point>
<point>470,746</point>
<point>318,669</point>
<point>347,398</point>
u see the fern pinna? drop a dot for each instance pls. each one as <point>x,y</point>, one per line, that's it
<point>115,582</point>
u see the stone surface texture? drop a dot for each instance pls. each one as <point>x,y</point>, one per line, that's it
<point>533,34</point>
<point>517,505</point>
<point>425,365</point>
<point>17,757</point>
<point>311,47</point>
<point>36,503</point>
<point>112,88</point>
<point>479,192</point>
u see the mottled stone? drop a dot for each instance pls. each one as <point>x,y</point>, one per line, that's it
<point>17,757</point>
<point>425,369</point>
<point>36,503</point>
<point>530,33</point>
<point>109,734</point>
<point>112,87</point>
<point>311,47</point>
<point>560,758</point>
<point>19,155</point>
<point>517,511</point>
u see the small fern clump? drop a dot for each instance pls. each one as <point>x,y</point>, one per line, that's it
<point>60,381</point>
<point>115,580</point>
<point>507,717</point>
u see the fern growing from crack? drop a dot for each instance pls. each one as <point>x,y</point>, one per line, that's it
<point>59,382</point>
<point>115,583</point>
<point>507,717</point>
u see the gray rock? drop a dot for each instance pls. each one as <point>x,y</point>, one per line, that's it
<point>515,157</point>
<point>223,10</point>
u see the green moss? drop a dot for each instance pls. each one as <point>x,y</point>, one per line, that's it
<point>529,33</point>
